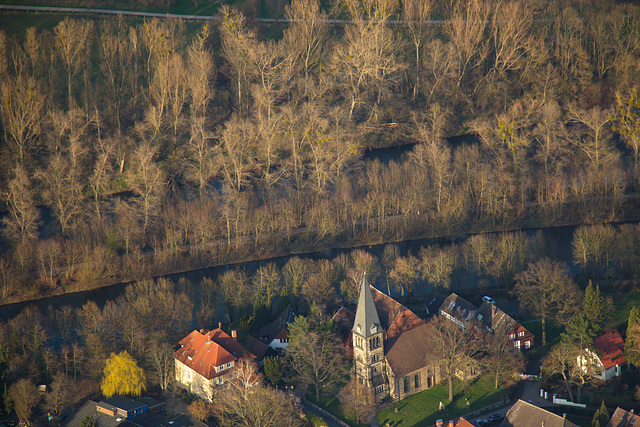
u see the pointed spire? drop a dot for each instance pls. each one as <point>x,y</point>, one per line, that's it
<point>367,322</point>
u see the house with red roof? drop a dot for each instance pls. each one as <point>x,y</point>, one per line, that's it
<point>608,359</point>
<point>206,360</point>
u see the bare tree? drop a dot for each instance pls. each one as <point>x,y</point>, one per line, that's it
<point>546,289</point>
<point>161,359</point>
<point>502,360</point>
<point>72,42</point>
<point>23,219</point>
<point>594,248</point>
<point>147,181</point>
<point>367,62</point>
<point>314,357</point>
<point>238,141</point>
<point>437,265</point>
<point>25,398</point>
<point>22,110</point>
<point>466,29</point>
<point>358,399</point>
<point>415,13</point>
<point>247,402</point>
<point>238,47</point>
<point>457,349</point>
<point>306,37</point>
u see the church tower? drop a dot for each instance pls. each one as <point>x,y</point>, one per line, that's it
<point>368,346</point>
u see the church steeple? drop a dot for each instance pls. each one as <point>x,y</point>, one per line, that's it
<point>367,322</point>
<point>368,347</point>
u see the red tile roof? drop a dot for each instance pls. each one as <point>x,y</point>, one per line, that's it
<point>610,347</point>
<point>395,318</point>
<point>203,352</point>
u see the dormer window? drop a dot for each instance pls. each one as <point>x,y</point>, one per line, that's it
<point>374,329</point>
<point>358,329</point>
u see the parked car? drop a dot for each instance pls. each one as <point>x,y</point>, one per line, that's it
<point>495,417</point>
<point>489,300</point>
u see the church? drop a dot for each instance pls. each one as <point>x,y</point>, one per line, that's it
<point>393,350</point>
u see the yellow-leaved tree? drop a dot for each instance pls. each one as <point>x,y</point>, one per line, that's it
<point>122,376</point>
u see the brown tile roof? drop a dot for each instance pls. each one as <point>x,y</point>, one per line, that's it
<point>524,414</point>
<point>610,348</point>
<point>458,307</point>
<point>257,347</point>
<point>623,418</point>
<point>278,328</point>
<point>395,318</point>
<point>203,352</point>
<point>411,350</point>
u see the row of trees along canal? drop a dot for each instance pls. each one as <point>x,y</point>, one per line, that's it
<point>157,147</point>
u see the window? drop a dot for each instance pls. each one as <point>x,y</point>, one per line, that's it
<point>406,385</point>
<point>512,336</point>
<point>527,344</point>
<point>521,333</point>
<point>516,345</point>
<point>416,380</point>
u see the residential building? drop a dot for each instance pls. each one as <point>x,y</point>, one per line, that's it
<point>524,414</point>
<point>497,321</point>
<point>623,418</point>
<point>276,334</point>
<point>488,316</point>
<point>206,360</point>
<point>608,358</point>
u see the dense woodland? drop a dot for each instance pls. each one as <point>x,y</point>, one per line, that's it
<point>138,148</point>
<point>132,149</point>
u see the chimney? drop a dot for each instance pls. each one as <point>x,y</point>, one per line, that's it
<point>439,423</point>
<point>202,331</point>
<point>219,325</point>
<point>234,334</point>
<point>564,415</point>
<point>451,424</point>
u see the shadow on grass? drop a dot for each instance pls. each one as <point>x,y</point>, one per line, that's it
<point>423,408</point>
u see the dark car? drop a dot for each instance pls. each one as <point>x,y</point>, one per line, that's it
<point>495,417</point>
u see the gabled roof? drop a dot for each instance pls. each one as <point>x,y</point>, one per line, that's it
<point>367,322</point>
<point>277,328</point>
<point>394,317</point>
<point>411,350</point>
<point>623,418</point>
<point>524,414</point>
<point>258,348</point>
<point>458,307</point>
<point>497,320</point>
<point>610,347</point>
<point>203,352</point>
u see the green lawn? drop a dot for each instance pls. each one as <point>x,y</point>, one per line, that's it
<point>623,302</point>
<point>332,405</point>
<point>422,408</point>
<point>535,327</point>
